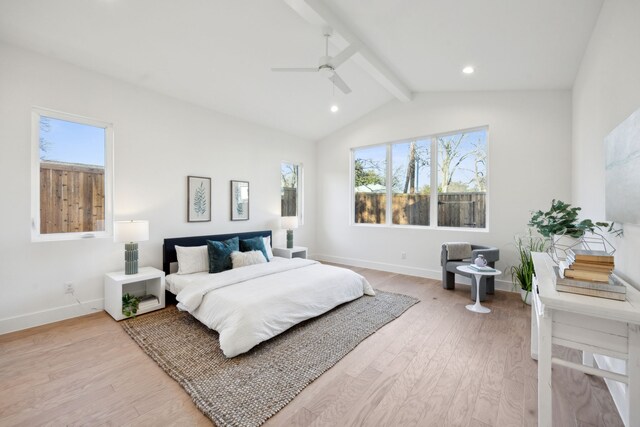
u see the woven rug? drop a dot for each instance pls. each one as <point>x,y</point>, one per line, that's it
<point>248,389</point>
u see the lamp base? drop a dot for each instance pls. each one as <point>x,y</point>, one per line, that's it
<point>289,239</point>
<point>131,258</point>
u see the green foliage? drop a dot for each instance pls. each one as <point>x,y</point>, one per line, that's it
<point>368,173</point>
<point>522,274</point>
<point>563,219</point>
<point>200,200</point>
<point>130,305</point>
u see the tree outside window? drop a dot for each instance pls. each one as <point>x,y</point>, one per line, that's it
<point>455,164</point>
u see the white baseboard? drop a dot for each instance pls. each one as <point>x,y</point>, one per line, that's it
<point>503,285</point>
<point>38,318</point>
<point>617,389</point>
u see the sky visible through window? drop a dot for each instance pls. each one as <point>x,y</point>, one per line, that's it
<point>472,142</point>
<point>467,168</point>
<point>70,142</point>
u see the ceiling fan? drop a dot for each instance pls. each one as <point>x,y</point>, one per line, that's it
<point>328,64</point>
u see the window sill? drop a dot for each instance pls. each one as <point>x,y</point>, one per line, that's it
<point>421,227</point>
<point>59,237</point>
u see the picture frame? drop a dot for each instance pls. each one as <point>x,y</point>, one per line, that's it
<point>239,200</point>
<point>198,199</point>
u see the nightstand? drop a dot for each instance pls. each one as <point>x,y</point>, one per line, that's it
<point>148,281</point>
<point>294,252</point>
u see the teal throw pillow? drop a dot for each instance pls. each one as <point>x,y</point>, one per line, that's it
<point>220,254</point>
<point>254,244</point>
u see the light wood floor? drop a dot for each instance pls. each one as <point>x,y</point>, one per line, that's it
<point>438,364</point>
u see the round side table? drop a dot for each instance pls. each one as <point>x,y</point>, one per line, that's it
<point>477,307</point>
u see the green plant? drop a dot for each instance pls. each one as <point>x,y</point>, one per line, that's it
<point>522,274</point>
<point>130,305</point>
<point>563,219</point>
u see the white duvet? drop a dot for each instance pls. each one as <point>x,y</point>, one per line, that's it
<point>251,304</point>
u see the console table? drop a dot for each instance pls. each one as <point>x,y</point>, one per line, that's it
<point>601,328</point>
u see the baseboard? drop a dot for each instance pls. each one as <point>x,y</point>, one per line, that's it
<point>617,389</point>
<point>503,285</point>
<point>38,318</point>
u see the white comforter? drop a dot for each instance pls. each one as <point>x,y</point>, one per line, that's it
<point>251,304</point>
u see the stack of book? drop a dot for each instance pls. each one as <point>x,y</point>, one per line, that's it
<point>588,272</point>
<point>147,301</point>
<point>484,269</point>
<point>593,266</point>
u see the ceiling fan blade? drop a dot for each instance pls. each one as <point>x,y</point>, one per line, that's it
<point>346,53</point>
<point>296,70</point>
<point>340,84</point>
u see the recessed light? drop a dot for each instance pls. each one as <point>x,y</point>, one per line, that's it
<point>468,69</point>
<point>334,108</point>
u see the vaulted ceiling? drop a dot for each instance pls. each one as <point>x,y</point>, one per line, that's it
<point>218,53</point>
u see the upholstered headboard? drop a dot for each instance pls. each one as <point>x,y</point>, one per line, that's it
<point>169,246</point>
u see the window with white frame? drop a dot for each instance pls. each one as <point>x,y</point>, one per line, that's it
<point>71,176</point>
<point>291,189</point>
<point>454,164</point>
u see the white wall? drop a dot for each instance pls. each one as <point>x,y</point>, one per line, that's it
<point>606,91</point>
<point>529,164</point>
<point>158,142</point>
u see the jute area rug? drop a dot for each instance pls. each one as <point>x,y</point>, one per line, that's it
<point>248,389</point>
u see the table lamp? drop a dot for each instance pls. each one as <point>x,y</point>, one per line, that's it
<point>289,223</point>
<point>130,233</point>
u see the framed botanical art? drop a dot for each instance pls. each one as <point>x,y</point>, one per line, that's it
<point>239,200</point>
<point>198,199</point>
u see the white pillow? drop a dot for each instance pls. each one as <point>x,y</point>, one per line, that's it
<point>192,259</point>
<point>243,259</point>
<point>267,246</point>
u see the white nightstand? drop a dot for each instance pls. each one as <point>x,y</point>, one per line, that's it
<point>148,281</point>
<point>294,252</point>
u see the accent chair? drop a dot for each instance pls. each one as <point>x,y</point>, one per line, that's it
<point>449,268</point>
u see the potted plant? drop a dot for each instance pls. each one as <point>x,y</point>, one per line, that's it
<point>522,274</point>
<point>130,305</point>
<point>562,219</point>
<point>560,224</point>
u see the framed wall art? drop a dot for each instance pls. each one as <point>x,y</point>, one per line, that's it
<point>239,200</point>
<point>622,172</point>
<point>198,199</point>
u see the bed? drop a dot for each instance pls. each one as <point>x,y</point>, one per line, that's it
<point>252,304</point>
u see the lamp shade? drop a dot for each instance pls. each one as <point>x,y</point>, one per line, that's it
<point>289,222</point>
<point>131,231</point>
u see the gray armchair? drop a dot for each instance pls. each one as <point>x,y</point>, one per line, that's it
<point>449,269</point>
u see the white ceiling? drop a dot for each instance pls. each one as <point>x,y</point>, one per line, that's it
<point>218,53</point>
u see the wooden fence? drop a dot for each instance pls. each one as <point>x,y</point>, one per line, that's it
<point>289,201</point>
<point>71,198</point>
<point>454,209</point>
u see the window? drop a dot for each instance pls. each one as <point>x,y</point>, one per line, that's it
<point>411,182</point>
<point>462,179</point>
<point>370,171</point>
<point>454,163</point>
<point>291,190</point>
<point>71,188</point>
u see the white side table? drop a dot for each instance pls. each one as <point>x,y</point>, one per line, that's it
<point>601,328</point>
<point>477,307</point>
<point>148,281</point>
<point>294,252</point>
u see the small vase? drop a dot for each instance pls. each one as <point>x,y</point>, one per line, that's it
<point>481,261</point>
